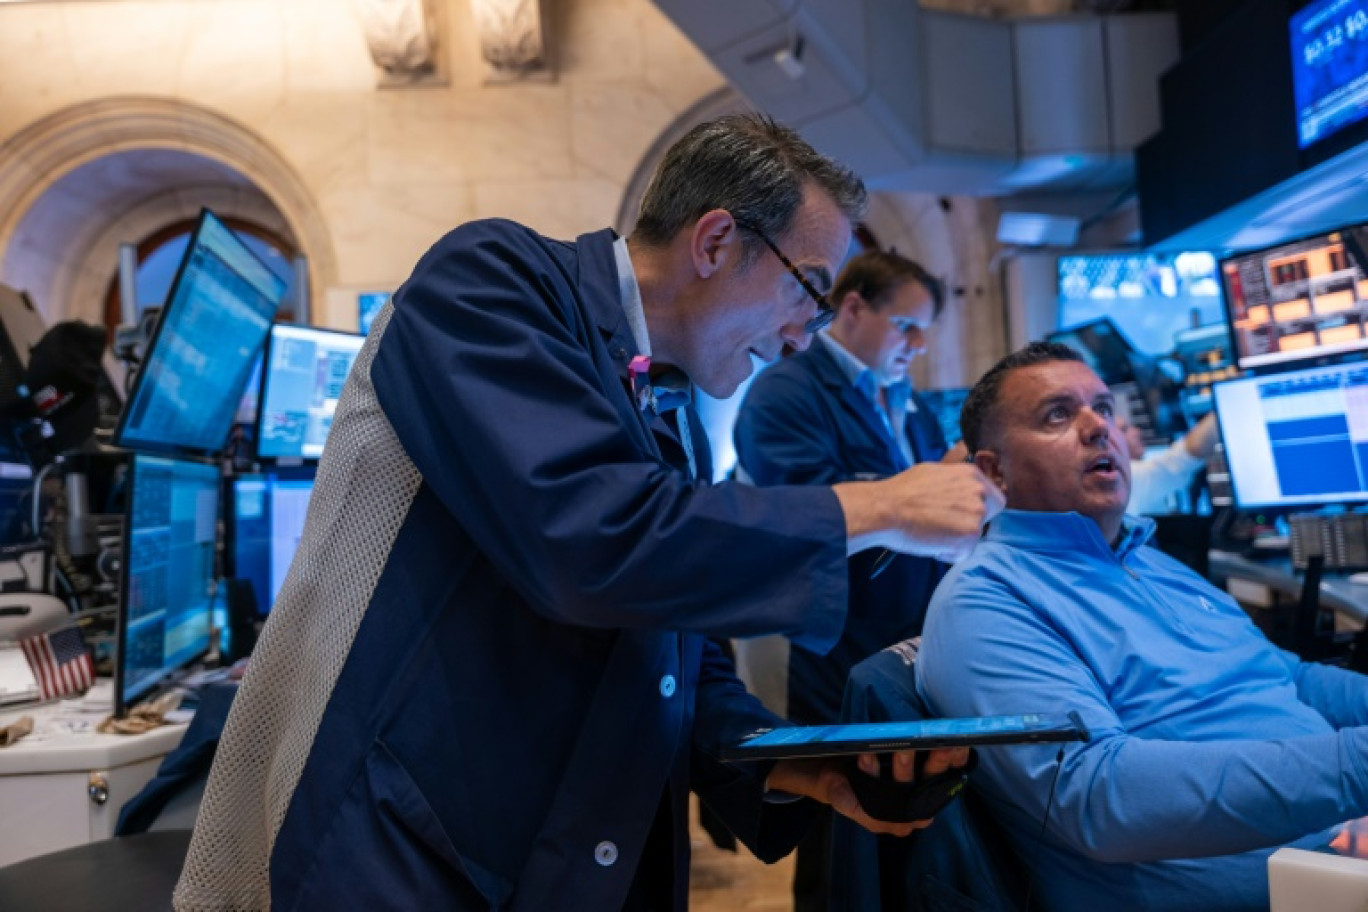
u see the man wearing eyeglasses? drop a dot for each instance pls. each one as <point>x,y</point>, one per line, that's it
<point>843,410</point>
<point>487,682</point>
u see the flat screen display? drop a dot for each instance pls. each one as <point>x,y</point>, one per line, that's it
<point>946,405</point>
<point>167,599</point>
<point>210,332</point>
<point>1329,41</point>
<point>305,371</point>
<point>1298,438</point>
<point>268,512</point>
<point>1300,300</point>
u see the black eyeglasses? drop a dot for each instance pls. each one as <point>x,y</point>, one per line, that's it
<point>825,314</point>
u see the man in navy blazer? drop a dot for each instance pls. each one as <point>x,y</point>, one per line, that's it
<point>486,682</point>
<point>843,410</point>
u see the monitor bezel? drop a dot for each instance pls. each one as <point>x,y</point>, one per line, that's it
<point>1270,506</point>
<point>263,390</point>
<point>162,447</point>
<point>122,619</point>
<point>1131,350</point>
<point>1311,359</point>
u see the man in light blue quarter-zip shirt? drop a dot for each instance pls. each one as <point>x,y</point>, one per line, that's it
<point>1210,747</point>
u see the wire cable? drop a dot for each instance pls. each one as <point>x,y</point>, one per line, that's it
<point>1044,824</point>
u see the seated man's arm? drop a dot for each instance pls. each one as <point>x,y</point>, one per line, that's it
<point>1340,696</point>
<point>1121,798</point>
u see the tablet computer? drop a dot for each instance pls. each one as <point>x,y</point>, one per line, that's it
<point>882,737</point>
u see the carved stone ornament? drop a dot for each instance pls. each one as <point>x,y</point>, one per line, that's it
<point>512,41</point>
<point>403,36</point>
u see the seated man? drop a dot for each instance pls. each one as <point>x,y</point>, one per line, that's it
<point>1209,747</point>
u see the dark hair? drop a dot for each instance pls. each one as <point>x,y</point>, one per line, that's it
<point>749,165</point>
<point>876,274</point>
<point>982,400</point>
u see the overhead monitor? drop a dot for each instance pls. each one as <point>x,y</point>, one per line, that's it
<point>305,371</point>
<point>267,521</point>
<point>167,593</point>
<point>946,405</point>
<point>1298,438</point>
<point>1329,42</point>
<point>214,323</point>
<point>1104,348</point>
<point>1150,297</point>
<point>1300,300</point>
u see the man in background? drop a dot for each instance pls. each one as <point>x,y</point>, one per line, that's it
<point>845,410</point>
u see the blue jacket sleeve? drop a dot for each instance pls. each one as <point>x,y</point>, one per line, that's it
<point>724,714</point>
<point>1122,798</point>
<point>501,395</point>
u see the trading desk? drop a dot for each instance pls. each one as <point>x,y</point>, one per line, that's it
<point>64,784</point>
<point>1274,582</point>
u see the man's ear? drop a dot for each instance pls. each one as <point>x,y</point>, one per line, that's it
<point>715,239</point>
<point>990,464</point>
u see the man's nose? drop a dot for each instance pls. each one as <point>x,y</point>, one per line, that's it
<point>1096,428</point>
<point>795,336</point>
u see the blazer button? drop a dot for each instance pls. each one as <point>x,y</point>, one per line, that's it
<point>605,853</point>
<point>667,686</point>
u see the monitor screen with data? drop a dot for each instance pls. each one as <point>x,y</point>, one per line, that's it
<point>167,597</point>
<point>200,358</point>
<point>1298,438</point>
<point>267,521</point>
<point>305,370</point>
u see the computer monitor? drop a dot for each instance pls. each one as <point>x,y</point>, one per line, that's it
<point>1307,299</point>
<point>167,594</point>
<point>267,520</point>
<point>1329,68</point>
<point>1103,346</point>
<point>215,320</point>
<point>1297,439</point>
<point>946,405</point>
<point>305,371</point>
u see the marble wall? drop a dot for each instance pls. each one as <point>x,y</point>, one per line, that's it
<point>366,178</point>
<point>388,170</point>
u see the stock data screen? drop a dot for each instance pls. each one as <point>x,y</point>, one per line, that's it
<point>1329,67</point>
<point>268,521</point>
<point>306,369</point>
<point>169,555</point>
<point>201,358</point>
<point>1299,438</point>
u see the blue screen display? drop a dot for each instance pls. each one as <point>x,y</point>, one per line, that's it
<point>1329,67</point>
<point>168,598</point>
<point>1298,438</point>
<point>211,331</point>
<point>305,371</point>
<point>946,405</point>
<point>268,521</point>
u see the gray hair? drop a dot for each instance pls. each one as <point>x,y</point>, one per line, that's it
<point>750,165</point>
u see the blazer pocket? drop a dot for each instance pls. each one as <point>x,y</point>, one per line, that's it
<point>386,849</point>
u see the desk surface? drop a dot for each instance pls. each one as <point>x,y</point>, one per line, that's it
<point>1336,592</point>
<point>64,740</point>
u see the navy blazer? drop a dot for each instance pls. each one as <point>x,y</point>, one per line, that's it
<point>531,686</point>
<point>803,423</point>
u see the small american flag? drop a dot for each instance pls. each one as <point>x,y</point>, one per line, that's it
<point>60,662</point>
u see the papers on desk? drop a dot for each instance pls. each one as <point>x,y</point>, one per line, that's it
<point>17,683</point>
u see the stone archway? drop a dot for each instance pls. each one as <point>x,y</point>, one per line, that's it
<point>36,159</point>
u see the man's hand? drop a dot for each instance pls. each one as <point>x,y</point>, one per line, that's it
<point>825,781</point>
<point>956,454</point>
<point>933,509</point>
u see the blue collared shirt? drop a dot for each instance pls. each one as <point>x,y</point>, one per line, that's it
<point>898,395</point>
<point>1209,747</point>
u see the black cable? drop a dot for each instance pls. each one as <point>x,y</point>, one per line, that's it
<point>1044,823</point>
